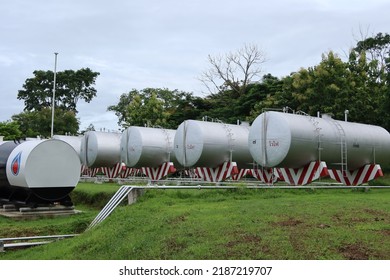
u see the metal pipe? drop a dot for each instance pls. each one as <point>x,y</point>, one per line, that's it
<point>54,95</point>
<point>39,237</point>
<point>333,186</point>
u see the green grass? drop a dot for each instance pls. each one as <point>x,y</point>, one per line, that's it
<point>223,224</point>
<point>93,195</point>
<point>89,198</point>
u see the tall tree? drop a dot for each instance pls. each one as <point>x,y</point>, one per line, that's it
<point>38,123</point>
<point>334,86</point>
<point>71,86</point>
<point>155,106</point>
<point>230,108</point>
<point>233,71</point>
<point>120,109</point>
<point>324,87</point>
<point>375,51</point>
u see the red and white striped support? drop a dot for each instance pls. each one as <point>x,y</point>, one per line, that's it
<point>83,168</point>
<point>113,172</point>
<point>91,172</point>
<point>192,173</point>
<point>128,171</point>
<point>156,173</point>
<point>305,175</point>
<point>241,173</point>
<point>94,171</point>
<point>265,175</point>
<point>219,173</point>
<point>357,177</point>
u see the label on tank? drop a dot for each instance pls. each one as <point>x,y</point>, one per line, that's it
<point>15,165</point>
<point>273,143</point>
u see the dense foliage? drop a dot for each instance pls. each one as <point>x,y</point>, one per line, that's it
<point>156,107</point>
<point>38,123</point>
<point>10,130</point>
<point>360,85</point>
<point>37,93</point>
<point>71,86</point>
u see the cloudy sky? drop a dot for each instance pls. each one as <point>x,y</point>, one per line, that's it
<point>165,43</point>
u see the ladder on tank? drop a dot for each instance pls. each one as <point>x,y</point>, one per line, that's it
<point>317,130</point>
<point>343,148</point>
<point>229,135</point>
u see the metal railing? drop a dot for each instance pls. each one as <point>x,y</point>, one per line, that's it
<point>29,241</point>
<point>111,205</point>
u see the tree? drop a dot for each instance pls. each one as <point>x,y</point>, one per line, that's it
<point>71,86</point>
<point>185,106</point>
<point>148,112</point>
<point>280,96</point>
<point>38,123</point>
<point>325,88</point>
<point>120,109</point>
<point>233,71</point>
<point>156,107</point>
<point>375,51</point>
<point>229,108</point>
<point>266,94</point>
<point>334,86</point>
<point>10,130</point>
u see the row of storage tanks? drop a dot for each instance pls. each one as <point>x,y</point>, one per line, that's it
<point>275,139</point>
<point>50,169</point>
<point>194,143</point>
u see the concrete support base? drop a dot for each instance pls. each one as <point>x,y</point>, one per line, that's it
<point>134,194</point>
<point>10,211</point>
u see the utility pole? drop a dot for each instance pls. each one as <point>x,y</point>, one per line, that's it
<point>54,95</point>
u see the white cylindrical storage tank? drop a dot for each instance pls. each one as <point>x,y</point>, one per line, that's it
<point>47,169</point>
<point>147,146</point>
<point>290,140</point>
<point>100,149</point>
<point>209,144</point>
<point>74,141</point>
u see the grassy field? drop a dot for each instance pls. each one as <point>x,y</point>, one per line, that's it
<point>218,224</point>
